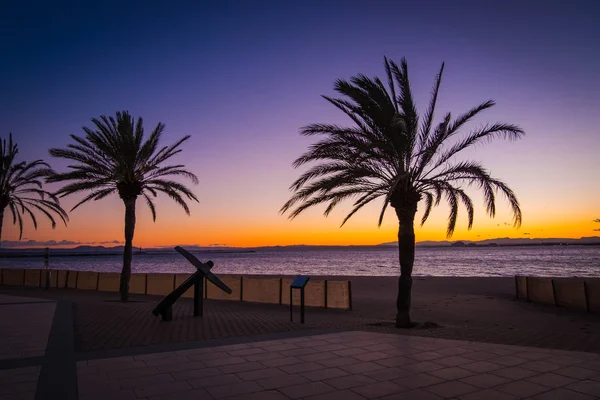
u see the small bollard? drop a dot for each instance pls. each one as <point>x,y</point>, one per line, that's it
<point>48,273</point>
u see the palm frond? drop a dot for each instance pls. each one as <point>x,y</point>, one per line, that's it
<point>387,153</point>
<point>113,156</point>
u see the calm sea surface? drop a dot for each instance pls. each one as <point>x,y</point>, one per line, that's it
<point>495,261</point>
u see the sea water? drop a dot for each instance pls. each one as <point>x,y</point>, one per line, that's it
<point>573,260</point>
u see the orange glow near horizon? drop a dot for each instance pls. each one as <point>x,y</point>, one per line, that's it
<point>102,223</point>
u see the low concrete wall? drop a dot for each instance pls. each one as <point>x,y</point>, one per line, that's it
<point>259,289</point>
<point>577,293</point>
<point>109,281</point>
<point>13,277</point>
<point>339,294</point>
<point>62,278</point>
<point>592,291</point>
<point>540,290</point>
<point>234,282</point>
<point>33,277</point>
<point>160,284</point>
<point>87,280</point>
<point>137,283</point>
<point>72,279</point>
<point>570,293</point>
<point>521,285</point>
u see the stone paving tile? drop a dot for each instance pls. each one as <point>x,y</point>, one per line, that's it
<point>418,381</point>
<point>260,374</point>
<point>488,394</point>
<point>515,373</point>
<point>427,356</point>
<point>234,389</point>
<point>302,367</point>
<point>586,387</point>
<point>174,359</point>
<point>541,366</point>
<point>306,390</point>
<point>338,361</point>
<point>372,356</point>
<point>194,394</point>
<point>278,382</point>
<point>247,366</point>
<point>161,388</point>
<point>322,374</point>
<point>522,388</point>
<point>317,357</point>
<point>350,381</point>
<point>379,389</point>
<point>337,395</point>
<point>388,374</point>
<point>562,394</point>
<point>551,380</point>
<point>452,373</point>
<point>280,362</point>
<point>453,361</point>
<point>485,381</point>
<point>185,366</point>
<point>217,380</point>
<point>423,366</point>
<point>264,356</point>
<point>451,389</point>
<point>224,361</point>
<point>576,372</point>
<point>509,361</point>
<point>133,373</point>
<point>482,366</point>
<point>416,394</point>
<point>396,361</point>
<point>362,367</point>
<point>264,395</point>
<point>480,356</point>
<point>195,373</point>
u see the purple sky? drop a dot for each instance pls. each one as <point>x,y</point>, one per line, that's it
<point>242,77</point>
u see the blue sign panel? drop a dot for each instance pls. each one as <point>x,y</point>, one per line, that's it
<point>300,282</point>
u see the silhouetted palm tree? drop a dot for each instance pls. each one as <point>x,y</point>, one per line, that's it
<point>598,221</point>
<point>392,152</point>
<point>21,189</point>
<point>114,158</point>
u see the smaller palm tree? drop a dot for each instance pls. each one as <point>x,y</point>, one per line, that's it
<point>598,221</point>
<point>113,157</point>
<point>21,189</point>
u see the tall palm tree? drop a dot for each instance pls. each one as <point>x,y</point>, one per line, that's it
<point>598,221</point>
<point>392,152</point>
<point>112,158</point>
<point>21,189</point>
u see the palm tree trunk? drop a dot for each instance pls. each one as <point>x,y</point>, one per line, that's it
<point>1,224</point>
<point>128,250</point>
<point>406,249</point>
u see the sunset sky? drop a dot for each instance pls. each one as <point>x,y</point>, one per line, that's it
<point>243,77</point>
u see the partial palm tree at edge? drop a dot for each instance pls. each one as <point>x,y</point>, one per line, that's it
<point>114,158</point>
<point>21,189</point>
<point>391,152</point>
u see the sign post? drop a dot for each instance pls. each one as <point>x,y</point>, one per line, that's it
<point>298,283</point>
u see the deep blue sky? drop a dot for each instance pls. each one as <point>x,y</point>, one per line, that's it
<point>243,76</point>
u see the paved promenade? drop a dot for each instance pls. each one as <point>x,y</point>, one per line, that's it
<point>65,344</point>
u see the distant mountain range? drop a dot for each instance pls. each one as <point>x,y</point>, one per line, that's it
<point>508,242</point>
<point>102,250</point>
